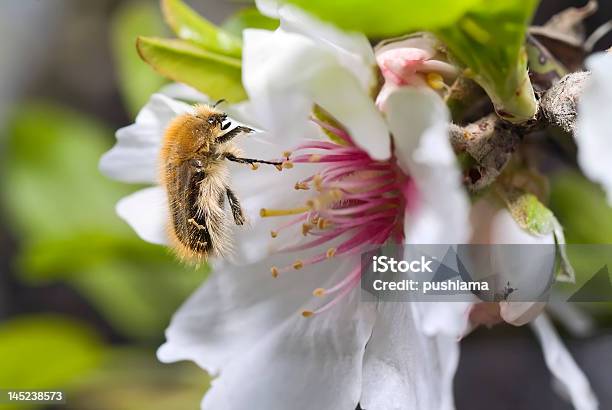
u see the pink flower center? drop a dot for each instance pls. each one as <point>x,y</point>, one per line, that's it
<point>357,203</point>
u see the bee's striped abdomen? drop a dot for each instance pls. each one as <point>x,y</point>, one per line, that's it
<point>189,220</point>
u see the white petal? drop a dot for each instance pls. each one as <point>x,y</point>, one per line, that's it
<point>285,74</point>
<point>593,131</point>
<point>180,91</point>
<point>146,211</point>
<point>520,313</point>
<point>352,50</point>
<point>268,8</point>
<point>403,367</point>
<point>563,367</point>
<point>418,120</point>
<point>247,326</point>
<point>134,157</point>
<point>493,224</point>
<point>272,82</point>
<point>444,318</point>
<point>339,94</point>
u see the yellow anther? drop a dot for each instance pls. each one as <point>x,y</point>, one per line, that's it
<point>319,292</point>
<point>323,223</point>
<point>264,212</point>
<point>307,313</point>
<point>336,194</point>
<point>297,265</point>
<point>317,181</point>
<point>254,166</point>
<point>274,271</point>
<point>273,234</point>
<point>306,228</point>
<point>287,154</point>
<point>314,219</point>
<point>287,164</point>
<point>278,166</point>
<point>435,81</point>
<point>315,158</point>
<point>331,252</point>
<point>301,185</point>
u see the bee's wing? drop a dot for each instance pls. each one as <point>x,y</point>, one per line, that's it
<point>188,219</point>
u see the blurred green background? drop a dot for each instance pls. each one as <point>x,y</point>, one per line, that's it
<point>83,301</point>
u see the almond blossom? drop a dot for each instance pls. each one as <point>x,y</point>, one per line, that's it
<point>281,324</point>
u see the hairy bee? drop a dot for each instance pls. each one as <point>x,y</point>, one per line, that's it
<point>195,176</point>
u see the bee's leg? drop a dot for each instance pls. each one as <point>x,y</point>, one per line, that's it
<point>233,133</point>
<point>252,161</point>
<point>235,206</point>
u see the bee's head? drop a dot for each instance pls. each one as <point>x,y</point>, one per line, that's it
<point>212,117</point>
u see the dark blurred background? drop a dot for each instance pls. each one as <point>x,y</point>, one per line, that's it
<point>84,303</point>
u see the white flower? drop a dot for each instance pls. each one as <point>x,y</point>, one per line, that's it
<point>245,326</point>
<point>593,128</point>
<point>493,224</point>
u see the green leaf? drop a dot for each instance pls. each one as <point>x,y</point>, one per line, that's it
<point>136,81</point>
<point>45,352</point>
<point>190,26</point>
<point>389,18</point>
<point>216,75</point>
<point>489,39</point>
<point>529,212</point>
<point>134,379</point>
<point>487,36</point>
<point>52,186</point>
<point>138,296</point>
<point>582,208</point>
<point>249,18</point>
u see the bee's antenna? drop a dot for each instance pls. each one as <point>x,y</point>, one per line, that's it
<point>219,102</point>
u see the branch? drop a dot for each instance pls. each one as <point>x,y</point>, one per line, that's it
<point>558,105</point>
<point>491,141</point>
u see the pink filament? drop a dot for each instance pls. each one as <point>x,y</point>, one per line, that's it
<point>369,210</point>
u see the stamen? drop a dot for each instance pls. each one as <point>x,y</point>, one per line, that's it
<point>302,186</point>
<point>323,224</point>
<point>325,199</point>
<point>357,202</point>
<point>317,181</point>
<point>265,213</point>
<point>435,81</point>
<point>319,292</point>
<point>345,291</point>
<point>254,166</point>
<point>306,228</point>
